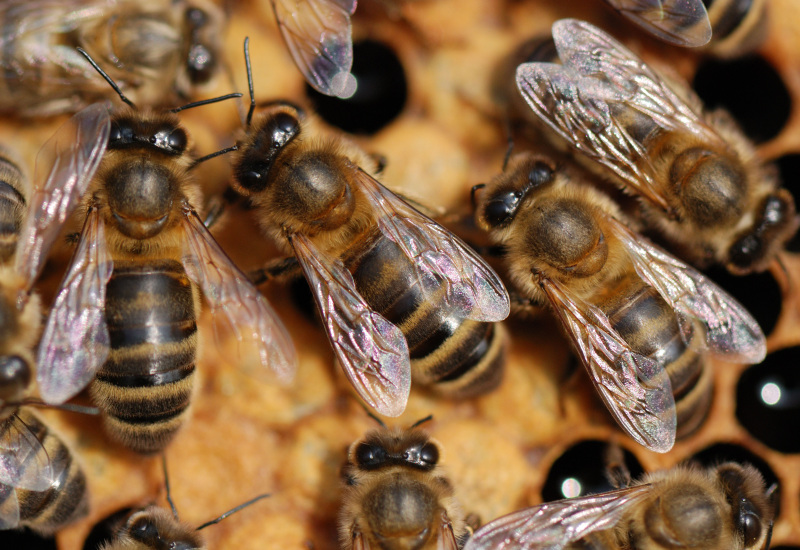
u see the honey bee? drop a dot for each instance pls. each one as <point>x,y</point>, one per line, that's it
<point>154,528</point>
<point>395,290</point>
<point>154,50</point>
<point>319,38</point>
<point>396,495</point>
<point>738,27</point>
<point>640,320</point>
<point>725,507</point>
<point>125,316</point>
<point>679,22</point>
<point>699,180</point>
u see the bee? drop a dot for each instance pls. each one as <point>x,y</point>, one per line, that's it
<point>319,38</point>
<point>154,528</point>
<point>679,22</point>
<point>725,507</point>
<point>396,495</point>
<point>125,317</point>
<point>698,179</point>
<point>739,27</point>
<point>155,50</point>
<point>395,290</point>
<point>41,484</point>
<point>640,320</point>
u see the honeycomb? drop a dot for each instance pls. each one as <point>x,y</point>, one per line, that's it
<point>503,450</point>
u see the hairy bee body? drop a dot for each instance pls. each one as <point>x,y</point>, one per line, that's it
<point>65,500</point>
<point>396,495</point>
<point>738,27</point>
<point>146,383</point>
<point>12,205</point>
<point>155,51</point>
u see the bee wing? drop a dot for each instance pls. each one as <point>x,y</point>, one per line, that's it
<point>440,258</point>
<point>9,507</point>
<point>730,331</point>
<point>635,388</point>
<point>446,539</point>
<point>554,525</point>
<point>75,341</point>
<point>64,167</point>
<point>679,22</point>
<point>234,299</point>
<point>372,351</point>
<point>24,462</point>
<point>318,35</point>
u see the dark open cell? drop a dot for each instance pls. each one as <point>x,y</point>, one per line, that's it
<point>789,167</point>
<point>105,529</point>
<point>27,540</point>
<point>750,89</point>
<point>768,400</point>
<point>582,468</point>
<point>728,452</point>
<point>758,292</point>
<point>379,98</point>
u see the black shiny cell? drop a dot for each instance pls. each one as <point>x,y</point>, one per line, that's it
<point>26,539</point>
<point>380,96</point>
<point>758,292</point>
<point>750,89</point>
<point>105,529</point>
<point>768,400</point>
<point>584,463</point>
<point>728,452</point>
<point>789,168</point>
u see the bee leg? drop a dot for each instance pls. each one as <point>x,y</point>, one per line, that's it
<point>359,542</point>
<point>522,305</point>
<point>617,471</point>
<point>217,204</point>
<point>280,268</point>
<point>380,163</point>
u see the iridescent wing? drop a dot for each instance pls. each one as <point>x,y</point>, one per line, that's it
<point>234,299</point>
<point>64,167</point>
<point>554,525</point>
<point>679,22</point>
<point>446,537</point>
<point>9,507</point>
<point>635,389</point>
<point>590,97</point>
<point>730,331</point>
<point>473,290</point>
<point>24,462</point>
<point>372,351</point>
<point>318,35</point>
<point>75,341</point>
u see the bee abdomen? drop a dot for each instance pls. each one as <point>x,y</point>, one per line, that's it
<point>66,500</point>
<point>12,207</point>
<point>144,387</point>
<point>455,356</point>
<point>648,324</point>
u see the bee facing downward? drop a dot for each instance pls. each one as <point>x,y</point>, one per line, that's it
<point>640,320</point>
<point>395,290</point>
<point>125,317</point>
<point>721,508</point>
<point>699,179</point>
<point>396,495</point>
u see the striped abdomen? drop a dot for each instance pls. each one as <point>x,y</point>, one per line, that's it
<point>454,356</point>
<point>145,386</point>
<point>644,320</point>
<point>65,501</point>
<point>12,206</point>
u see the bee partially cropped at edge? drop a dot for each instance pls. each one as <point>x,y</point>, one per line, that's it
<point>397,293</point>
<point>157,52</point>
<point>640,320</point>
<point>125,316</point>
<point>722,508</point>
<point>699,180</point>
<point>396,494</point>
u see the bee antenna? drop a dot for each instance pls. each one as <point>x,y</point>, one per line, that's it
<point>233,511</point>
<point>373,416</point>
<point>473,191</point>
<point>166,485</point>
<point>196,162</point>
<point>205,102</point>
<point>111,82</point>
<point>422,421</point>
<point>249,80</point>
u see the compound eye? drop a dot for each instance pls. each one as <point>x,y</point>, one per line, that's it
<point>178,140</point>
<point>284,128</point>
<point>429,454</point>
<point>15,376</point>
<point>540,174</point>
<point>746,251</point>
<point>749,524</point>
<point>144,531</point>
<point>120,132</point>
<point>502,208</point>
<point>370,456</point>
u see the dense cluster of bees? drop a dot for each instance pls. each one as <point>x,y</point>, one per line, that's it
<point>603,148</point>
